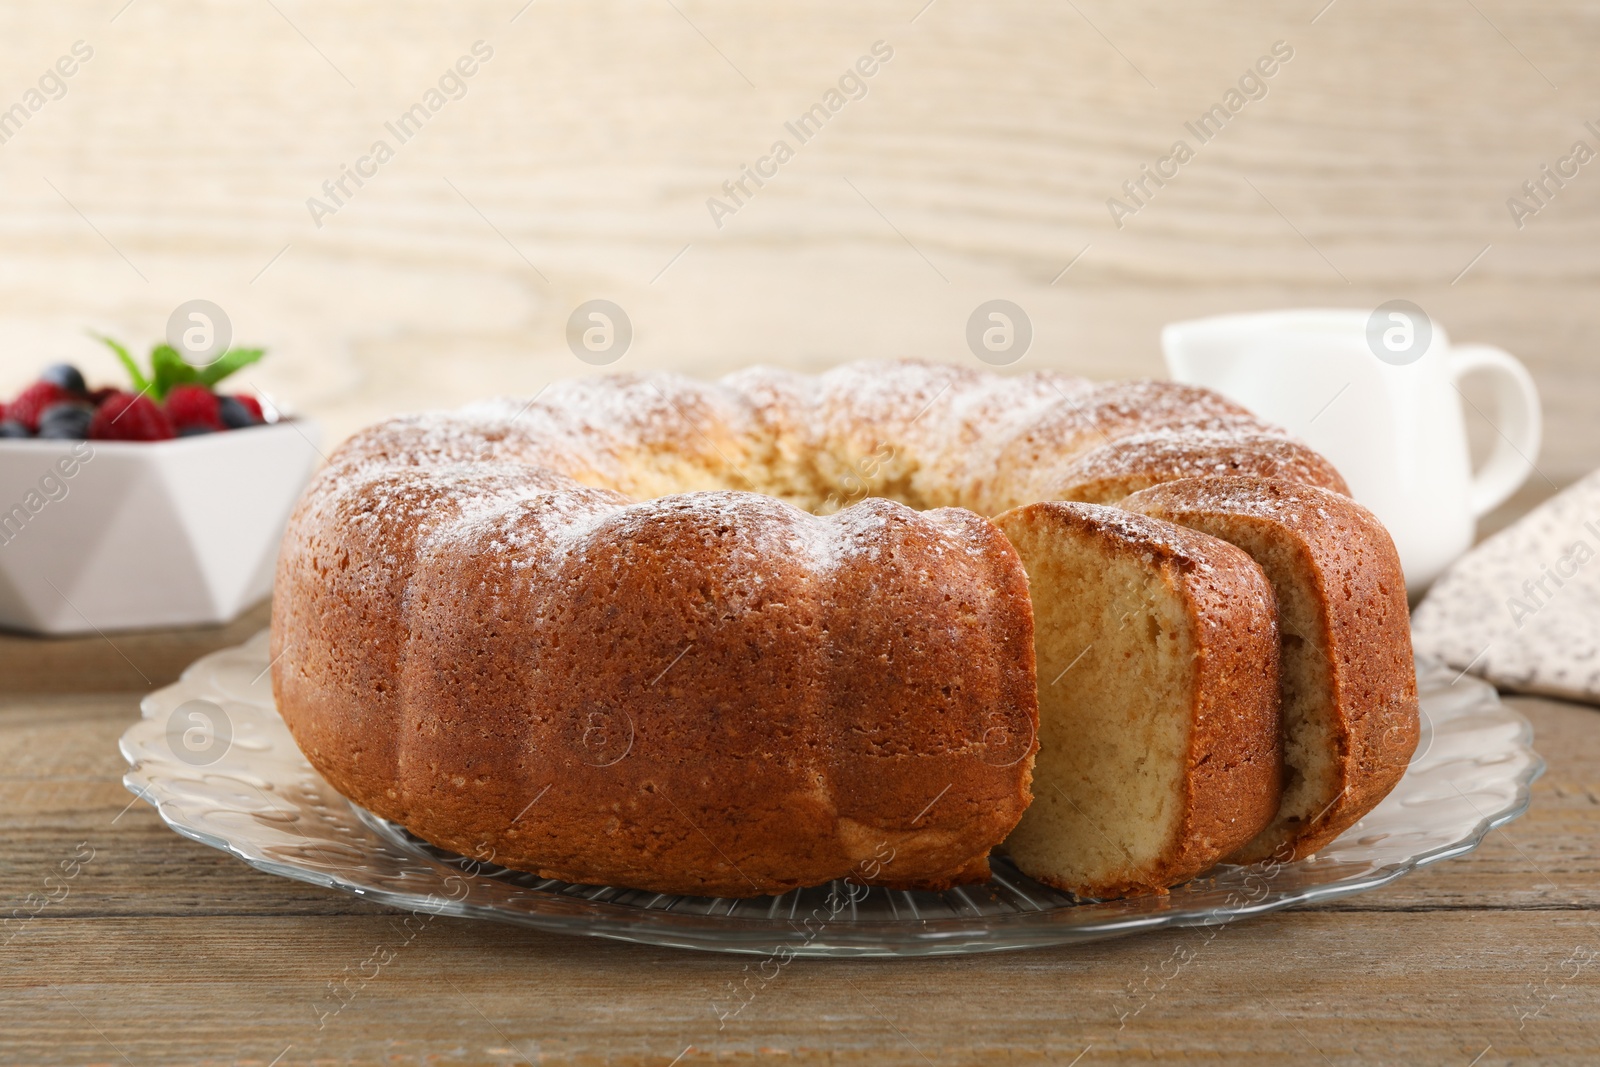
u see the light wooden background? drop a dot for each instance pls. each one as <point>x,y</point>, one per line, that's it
<point>178,165</point>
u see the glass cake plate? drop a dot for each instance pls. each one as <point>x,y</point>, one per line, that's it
<point>218,763</point>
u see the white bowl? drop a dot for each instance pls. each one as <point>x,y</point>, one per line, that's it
<point>117,535</point>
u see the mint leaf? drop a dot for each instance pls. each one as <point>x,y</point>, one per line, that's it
<point>168,369</point>
<point>233,359</point>
<point>135,375</point>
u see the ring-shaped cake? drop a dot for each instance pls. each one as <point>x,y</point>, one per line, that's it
<point>731,638</point>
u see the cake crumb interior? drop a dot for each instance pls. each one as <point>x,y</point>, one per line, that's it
<point>1115,661</point>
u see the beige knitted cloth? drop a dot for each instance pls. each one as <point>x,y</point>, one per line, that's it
<point>1522,610</point>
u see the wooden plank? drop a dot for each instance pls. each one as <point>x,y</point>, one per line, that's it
<point>116,662</point>
<point>1354,988</point>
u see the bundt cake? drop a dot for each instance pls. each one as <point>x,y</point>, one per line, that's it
<point>1349,687</point>
<point>734,638</point>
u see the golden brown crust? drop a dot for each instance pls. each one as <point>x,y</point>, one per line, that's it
<point>1234,770</point>
<point>711,694</point>
<point>1237,758</point>
<point>1128,464</point>
<point>1364,634</point>
<point>338,640</point>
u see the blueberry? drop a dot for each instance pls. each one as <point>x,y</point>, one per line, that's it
<point>194,430</point>
<point>66,376</point>
<point>234,415</point>
<point>67,421</point>
<point>13,428</point>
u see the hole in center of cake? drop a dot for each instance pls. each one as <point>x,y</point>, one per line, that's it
<point>820,482</point>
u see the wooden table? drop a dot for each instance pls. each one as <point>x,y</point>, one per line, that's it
<point>178,165</point>
<point>163,951</point>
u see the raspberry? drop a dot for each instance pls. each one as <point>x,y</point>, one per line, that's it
<point>191,406</point>
<point>27,407</point>
<point>130,417</point>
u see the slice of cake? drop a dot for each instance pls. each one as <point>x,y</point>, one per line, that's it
<point>1159,748</point>
<point>1349,685</point>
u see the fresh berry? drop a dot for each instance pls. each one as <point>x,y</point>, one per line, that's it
<point>130,417</point>
<point>237,412</point>
<point>13,428</point>
<point>101,395</point>
<point>68,421</point>
<point>27,407</point>
<point>252,404</point>
<point>194,430</point>
<point>67,377</point>
<point>193,405</point>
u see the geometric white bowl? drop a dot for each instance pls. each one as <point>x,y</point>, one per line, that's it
<point>117,535</point>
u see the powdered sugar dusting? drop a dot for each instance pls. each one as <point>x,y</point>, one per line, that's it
<point>614,451</point>
<point>1279,500</point>
<point>1180,452</point>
